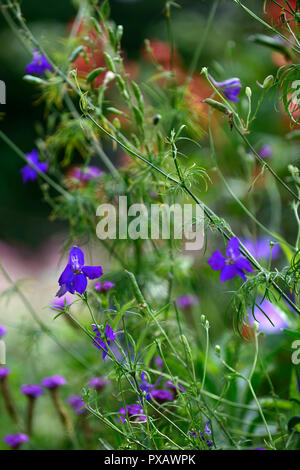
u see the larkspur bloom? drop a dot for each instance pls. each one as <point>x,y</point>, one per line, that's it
<point>29,172</point>
<point>77,403</point>
<point>265,151</point>
<point>31,390</point>
<point>260,248</point>
<point>134,412</point>
<point>98,383</point>
<point>162,395</point>
<point>85,174</point>
<point>104,286</point>
<point>187,301</point>
<point>146,387</point>
<point>98,341</point>
<point>234,265</point>
<point>14,441</point>
<point>54,381</point>
<point>265,309</point>
<point>4,372</point>
<point>59,303</point>
<point>2,331</point>
<point>170,384</point>
<point>74,277</point>
<point>39,64</point>
<point>230,88</point>
<point>204,436</point>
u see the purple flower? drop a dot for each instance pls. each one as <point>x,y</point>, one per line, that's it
<point>77,403</point>
<point>162,395</point>
<point>99,343</point>
<point>233,265</point>
<point>53,382</point>
<point>4,372</point>
<point>187,301</point>
<point>170,384</point>
<point>230,88</point>
<point>203,436</point>
<point>265,309</point>
<point>59,303</point>
<point>15,440</point>
<point>31,390</point>
<point>2,331</point>
<point>74,277</point>
<point>104,286</point>
<point>260,248</point>
<point>158,362</point>
<point>134,412</point>
<point>98,383</point>
<point>39,64</point>
<point>29,172</point>
<point>265,151</point>
<point>86,173</point>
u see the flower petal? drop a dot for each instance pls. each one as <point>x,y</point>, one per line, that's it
<point>243,263</point>
<point>76,258</point>
<point>228,273</point>
<point>233,248</point>
<point>65,275</point>
<point>80,283</point>
<point>217,261</point>
<point>92,272</point>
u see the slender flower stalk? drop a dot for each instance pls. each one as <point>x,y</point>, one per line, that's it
<point>7,396</point>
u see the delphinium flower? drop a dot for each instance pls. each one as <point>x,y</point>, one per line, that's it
<point>77,403</point>
<point>175,388</point>
<point>135,413</point>
<point>265,151</point>
<point>7,396</point>
<point>158,362</point>
<point>30,171</point>
<point>263,310</point>
<point>98,341</point>
<point>99,383</point>
<point>103,287</point>
<point>230,88</point>
<point>59,303</point>
<point>39,64</point>
<point>146,387</point>
<point>14,441</point>
<point>74,277</point>
<point>53,384</point>
<point>260,248</point>
<point>32,392</point>
<point>204,436</point>
<point>234,265</point>
<point>84,174</point>
<point>187,301</point>
<point>2,331</point>
<point>4,372</point>
<point>162,395</point>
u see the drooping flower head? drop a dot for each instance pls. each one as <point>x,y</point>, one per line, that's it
<point>14,441</point>
<point>162,395</point>
<point>39,64</point>
<point>230,88</point>
<point>234,265</point>
<point>104,286</point>
<point>4,372</point>
<point>53,382</point>
<point>134,412</point>
<point>77,403</point>
<point>262,311</point>
<point>2,331</point>
<point>84,174</point>
<point>260,248</point>
<point>99,383</point>
<point>32,390</point>
<point>265,151</point>
<point>204,436</point>
<point>74,277</point>
<point>29,172</point>
<point>187,301</point>
<point>98,341</point>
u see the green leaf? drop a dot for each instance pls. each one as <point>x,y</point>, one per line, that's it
<point>95,73</point>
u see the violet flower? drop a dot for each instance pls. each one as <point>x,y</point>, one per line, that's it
<point>53,382</point>
<point>4,372</point>
<point>77,403</point>
<point>260,248</point>
<point>265,309</point>
<point>203,436</point>
<point>99,383</point>
<point>99,343</point>
<point>29,172</point>
<point>39,64</point>
<point>59,303</point>
<point>170,384</point>
<point>162,395</point>
<point>31,390</point>
<point>187,301</point>
<point>74,277</point>
<point>158,362</point>
<point>235,264</point>
<point>265,151</point>
<point>14,441</point>
<point>85,174</point>
<point>134,412</point>
<point>104,286</point>
<point>3,331</point>
<point>230,88</point>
